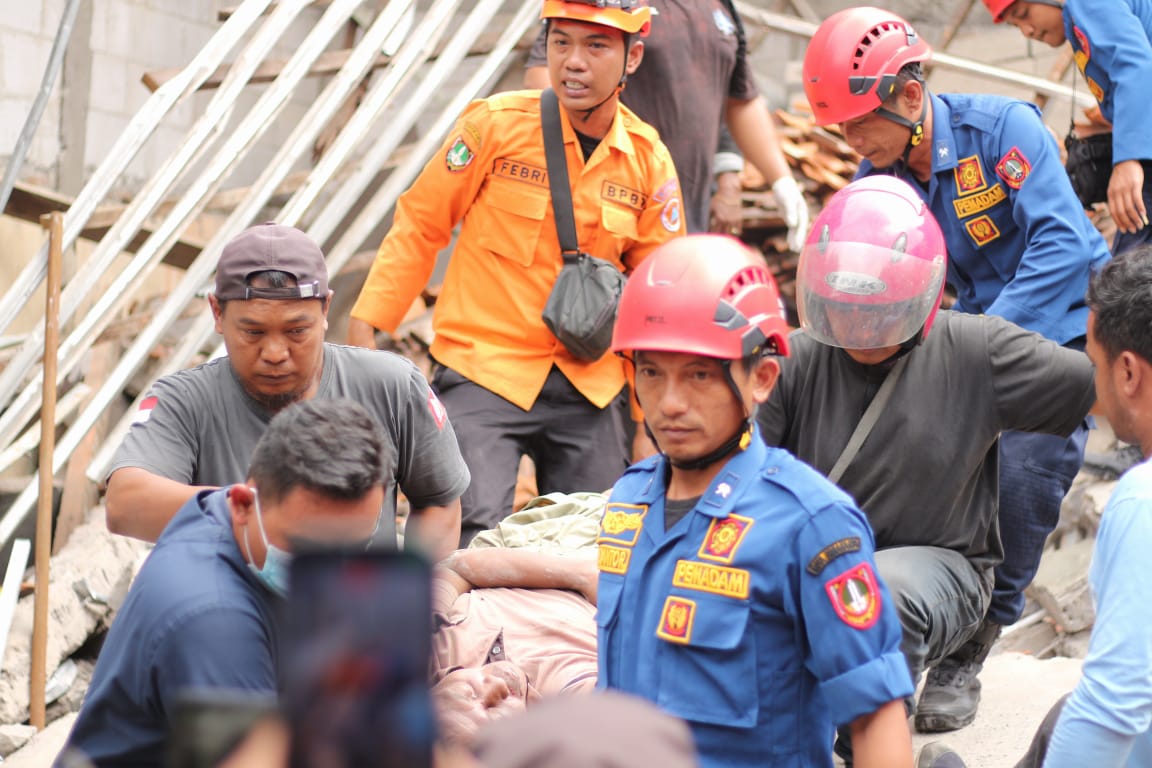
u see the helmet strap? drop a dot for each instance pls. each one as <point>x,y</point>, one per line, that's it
<point>737,442</point>
<point>915,126</point>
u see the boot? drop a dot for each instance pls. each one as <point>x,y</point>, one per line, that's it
<point>937,754</point>
<point>951,693</point>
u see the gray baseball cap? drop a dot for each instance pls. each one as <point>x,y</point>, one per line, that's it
<point>271,247</point>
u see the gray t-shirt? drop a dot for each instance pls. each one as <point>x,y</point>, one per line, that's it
<point>199,426</point>
<point>927,473</point>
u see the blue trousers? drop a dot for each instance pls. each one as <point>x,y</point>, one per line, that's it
<point>1035,473</point>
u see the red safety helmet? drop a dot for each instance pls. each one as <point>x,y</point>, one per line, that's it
<point>852,61</point>
<point>998,8</point>
<point>876,260</point>
<point>630,16</point>
<point>701,295</point>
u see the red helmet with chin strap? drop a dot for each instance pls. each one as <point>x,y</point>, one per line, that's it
<point>872,272</point>
<point>852,61</point>
<point>702,295</point>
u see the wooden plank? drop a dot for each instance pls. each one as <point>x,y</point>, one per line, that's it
<point>226,13</point>
<point>327,63</point>
<point>29,202</point>
<point>80,494</point>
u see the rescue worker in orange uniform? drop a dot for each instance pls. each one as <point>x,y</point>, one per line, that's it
<point>509,386</point>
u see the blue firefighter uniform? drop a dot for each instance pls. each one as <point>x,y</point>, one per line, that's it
<point>1019,244</point>
<point>758,618</point>
<point>1112,45</point>
<point>1021,247</point>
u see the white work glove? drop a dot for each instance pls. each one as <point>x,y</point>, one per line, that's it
<point>795,210</point>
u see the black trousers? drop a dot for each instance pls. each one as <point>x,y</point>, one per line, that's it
<point>575,445</point>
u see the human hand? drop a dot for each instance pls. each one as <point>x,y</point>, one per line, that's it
<point>727,216</point>
<point>795,210</point>
<point>1126,196</point>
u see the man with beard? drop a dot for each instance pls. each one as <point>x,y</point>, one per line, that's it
<point>197,427</point>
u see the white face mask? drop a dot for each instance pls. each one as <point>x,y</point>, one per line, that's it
<point>277,562</point>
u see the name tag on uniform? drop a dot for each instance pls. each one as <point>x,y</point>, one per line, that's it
<point>704,577</point>
<point>518,171</point>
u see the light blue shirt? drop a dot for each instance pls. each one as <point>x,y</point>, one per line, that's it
<point>1107,722</point>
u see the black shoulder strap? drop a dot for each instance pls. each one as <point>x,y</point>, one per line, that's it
<point>868,420</point>
<point>558,174</point>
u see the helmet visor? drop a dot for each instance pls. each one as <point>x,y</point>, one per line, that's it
<point>863,296</point>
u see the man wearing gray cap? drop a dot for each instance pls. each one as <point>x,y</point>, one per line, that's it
<point>198,427</point>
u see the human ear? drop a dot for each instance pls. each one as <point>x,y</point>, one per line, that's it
<point>635,56</point>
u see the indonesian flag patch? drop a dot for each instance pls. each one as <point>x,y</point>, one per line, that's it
<point>855,596</point>
<point>144,412</point>
<point>439,414</point>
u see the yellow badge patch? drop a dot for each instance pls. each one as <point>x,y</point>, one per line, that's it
<point>621,523</point>
<point>518,171</point>
<point>676,620</point>
<point>966,206</point>
<point>724,537</point>
<point>618,193</point>
<point>969,176</point>
<point>614,559</point>
<point>730,582</point>
<point>982,230</point>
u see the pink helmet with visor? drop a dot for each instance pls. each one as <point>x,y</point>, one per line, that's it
<point>872,271</point>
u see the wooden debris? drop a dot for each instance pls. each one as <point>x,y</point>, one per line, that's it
<point>822,163</point>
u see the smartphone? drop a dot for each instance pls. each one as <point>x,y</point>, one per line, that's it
<point>355,651</point>
<point>207,724</point>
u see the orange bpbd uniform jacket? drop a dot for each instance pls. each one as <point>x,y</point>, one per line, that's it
<point>491,177</point>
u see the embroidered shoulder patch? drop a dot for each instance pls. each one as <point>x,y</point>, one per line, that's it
<point>458,156</point>
<point>982,229</point>
<point>676,620</point>
<point>969,176</point>
<point>1013,168</point>
<point>834,550</point>
<point>855,596</point>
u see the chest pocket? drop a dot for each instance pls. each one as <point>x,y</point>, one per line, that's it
<point>710,675</point>
<point>510,218</point>
<point>620,230</point>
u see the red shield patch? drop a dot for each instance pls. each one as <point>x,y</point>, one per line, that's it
<point>855,596</point>
<point>1013,168</point>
